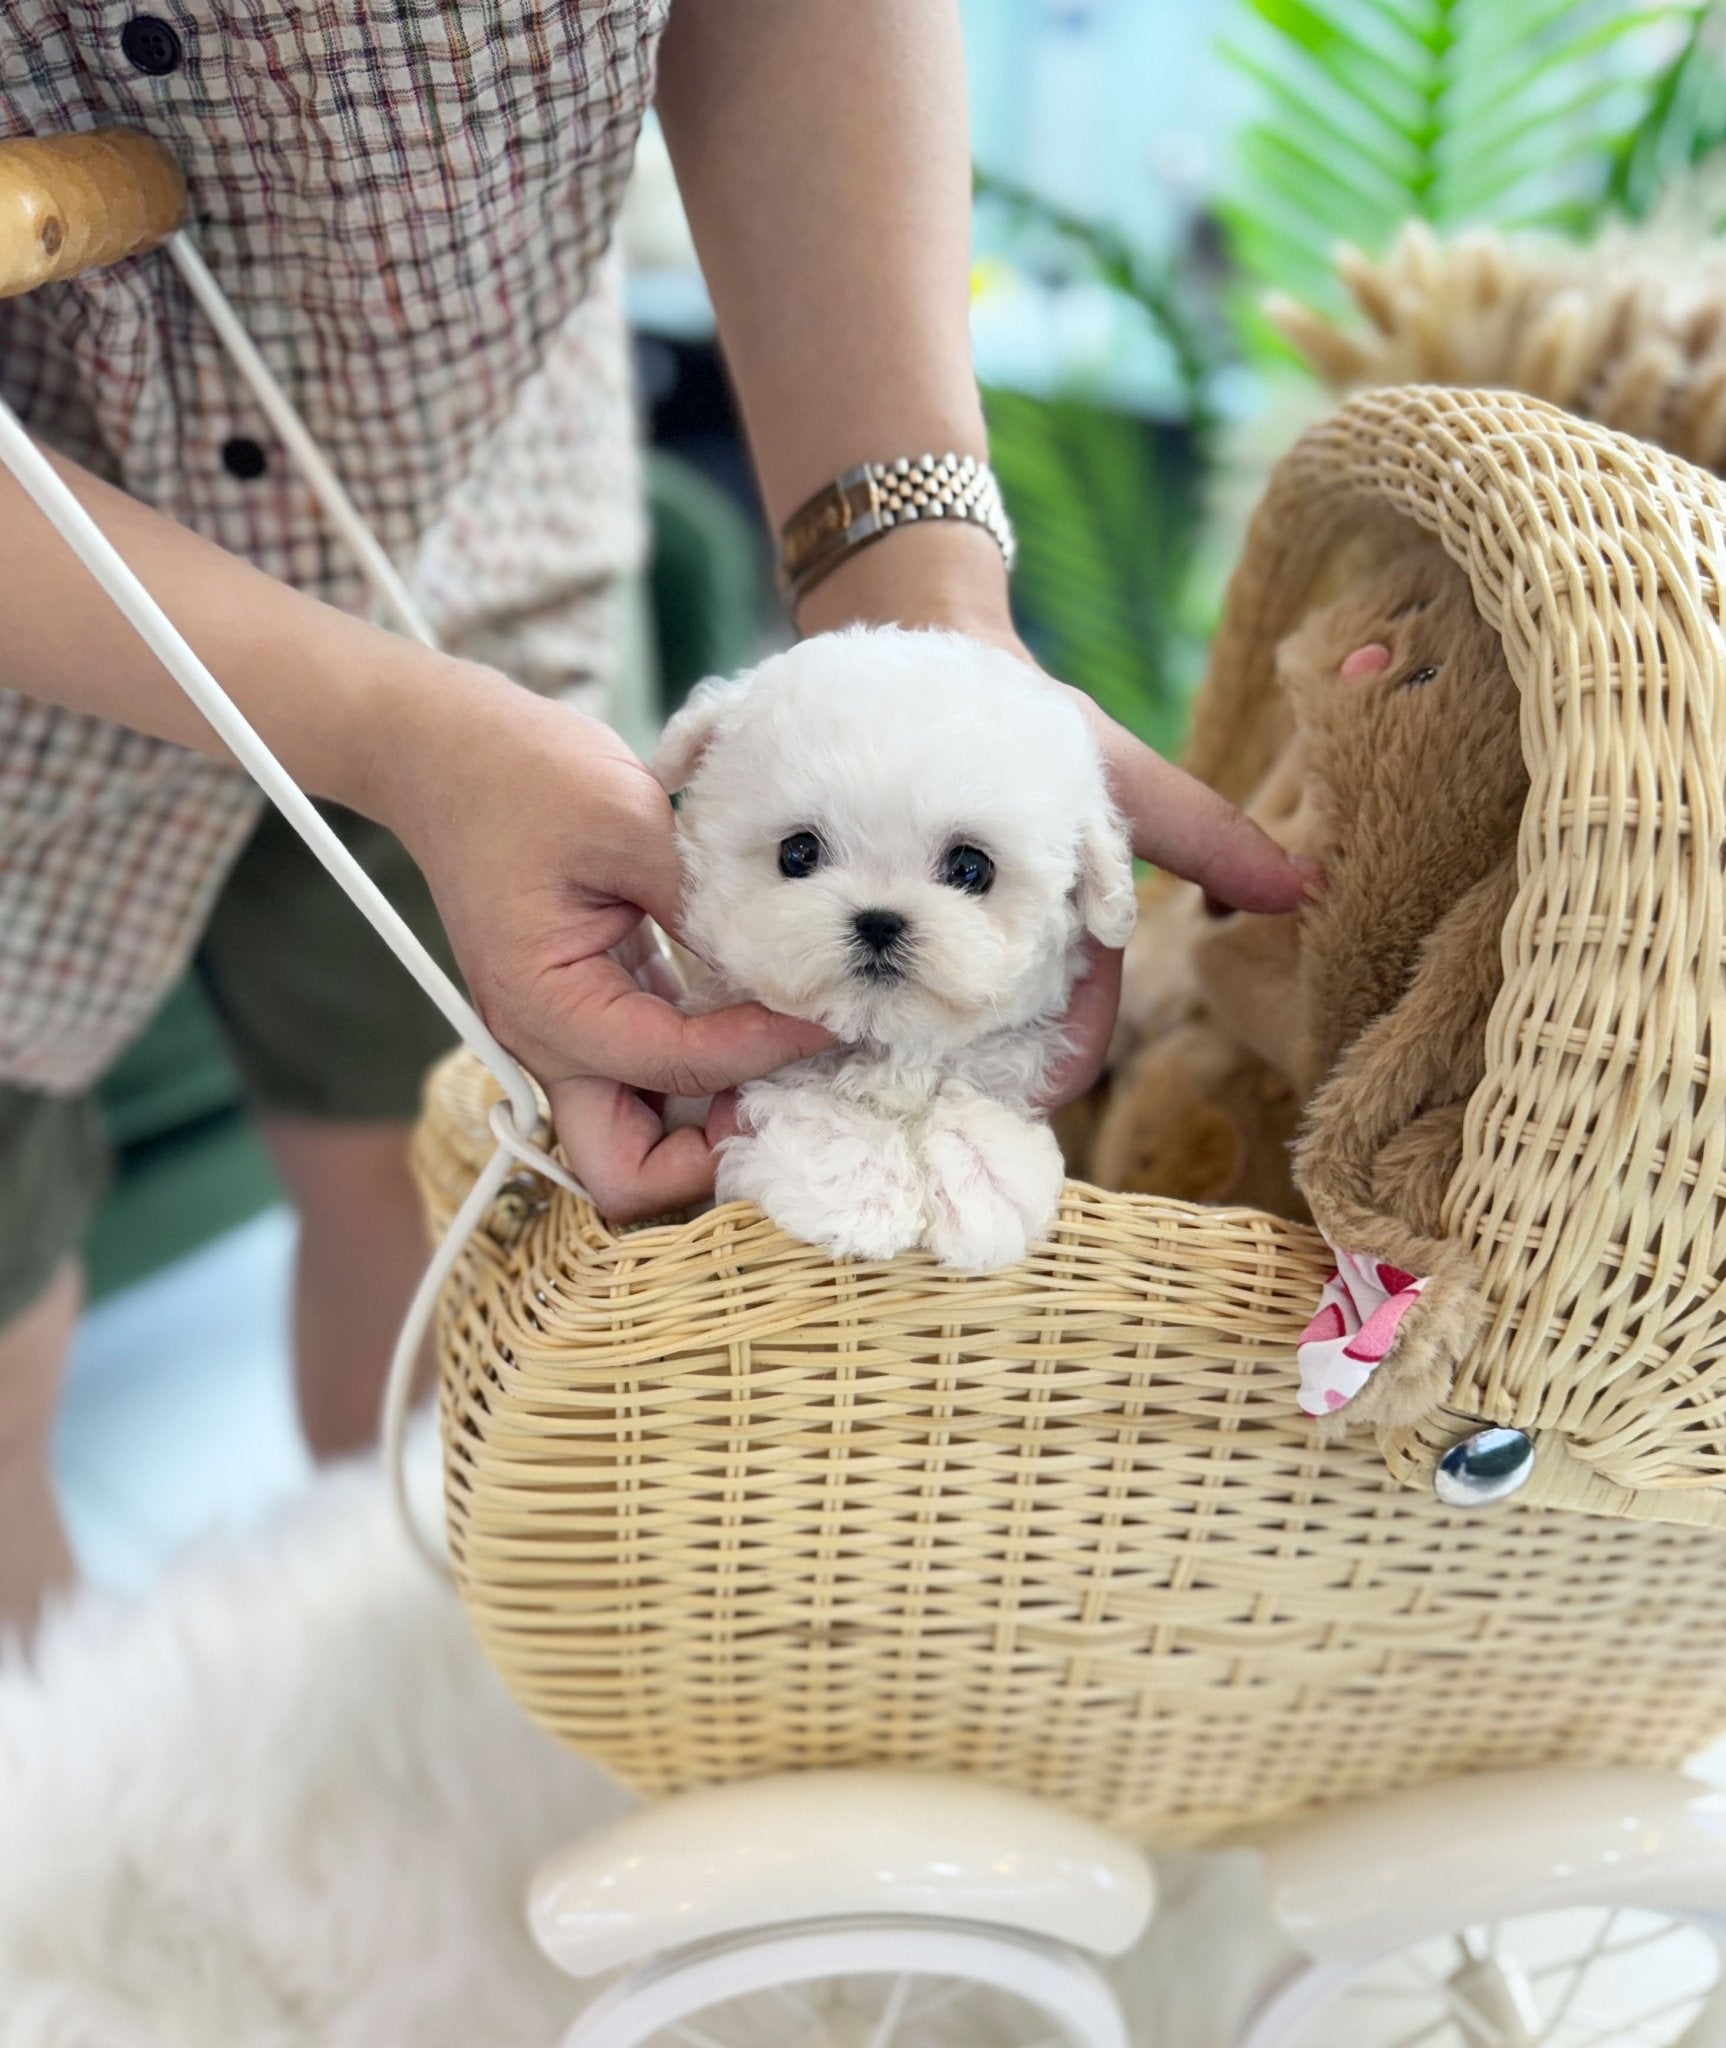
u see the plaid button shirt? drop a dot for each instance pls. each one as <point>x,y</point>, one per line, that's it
<point>409,203</point>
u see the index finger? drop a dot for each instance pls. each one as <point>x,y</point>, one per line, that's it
<point>1183,826</point>
<point>606,1024</point>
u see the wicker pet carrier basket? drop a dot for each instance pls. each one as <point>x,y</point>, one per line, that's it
<point>719,1506</point>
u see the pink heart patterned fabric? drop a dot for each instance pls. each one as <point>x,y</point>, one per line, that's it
<point>1363,1302</point>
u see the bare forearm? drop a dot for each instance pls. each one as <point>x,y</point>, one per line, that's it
<point>321,686</point>
<point>824,158</point>
<point>823,153</point>
<point>538,830</point>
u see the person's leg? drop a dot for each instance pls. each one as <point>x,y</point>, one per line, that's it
<point>53,1169</point>
<point>332,1040</point>
<point>35,1557</point>
<point>362,1250</point>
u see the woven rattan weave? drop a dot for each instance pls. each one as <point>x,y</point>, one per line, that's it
<point>718,1506</point>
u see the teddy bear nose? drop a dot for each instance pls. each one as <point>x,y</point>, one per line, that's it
<point>879,930</point>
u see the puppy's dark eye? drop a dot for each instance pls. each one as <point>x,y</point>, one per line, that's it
<point>799,855</point>
<point>1421,675</point>
<point>967,868</point>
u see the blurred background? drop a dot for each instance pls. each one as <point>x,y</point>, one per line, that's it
<point>1144,174</point>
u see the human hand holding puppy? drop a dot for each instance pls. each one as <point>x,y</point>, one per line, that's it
<point>545,840</point>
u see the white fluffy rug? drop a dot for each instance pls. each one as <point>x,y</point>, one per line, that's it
<point>280,1802</point>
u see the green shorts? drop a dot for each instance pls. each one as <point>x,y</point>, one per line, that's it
<point>320,1018</point>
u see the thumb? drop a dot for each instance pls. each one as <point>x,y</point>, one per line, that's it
<point>598,1021</point>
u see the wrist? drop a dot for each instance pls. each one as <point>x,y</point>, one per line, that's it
<point>922,575</point>
<point>408,712</point>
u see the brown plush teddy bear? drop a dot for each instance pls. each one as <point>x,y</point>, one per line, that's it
<point>1407,722</point>
<point>1405,775</point>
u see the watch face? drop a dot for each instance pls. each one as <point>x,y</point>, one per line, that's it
<point>874,497</point>
<point>820,528</point>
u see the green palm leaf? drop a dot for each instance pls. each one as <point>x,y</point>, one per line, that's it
<point>1683,121</point>
<point>1452,111</point>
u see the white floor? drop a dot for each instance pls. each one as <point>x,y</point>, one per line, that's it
<point>178,1415</point>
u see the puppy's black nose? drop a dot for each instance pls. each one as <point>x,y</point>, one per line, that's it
<point>879,930</point>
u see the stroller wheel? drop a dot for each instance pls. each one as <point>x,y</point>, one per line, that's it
<point>1573,1977</point>
<point>859,1984</point>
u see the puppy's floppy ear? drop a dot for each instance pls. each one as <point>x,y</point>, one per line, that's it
<point>1106,898</point>
<point>690,731</point>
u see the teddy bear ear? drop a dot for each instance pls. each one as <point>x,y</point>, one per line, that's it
<point>1106,898</point>
<point>692,730</point>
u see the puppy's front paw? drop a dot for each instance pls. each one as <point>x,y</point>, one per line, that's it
<point>993,1181</point>
<point>825,1172</point>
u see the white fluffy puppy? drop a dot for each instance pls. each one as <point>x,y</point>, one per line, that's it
<point>904,837</point>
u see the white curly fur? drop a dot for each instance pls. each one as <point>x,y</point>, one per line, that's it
<point>282,1802</point>
<point>892,748</point>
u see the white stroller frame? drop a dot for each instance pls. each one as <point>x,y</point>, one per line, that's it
<point>889,1909</point>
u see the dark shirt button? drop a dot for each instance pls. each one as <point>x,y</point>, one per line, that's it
<point>151,45</point>
<point>243,458</point>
